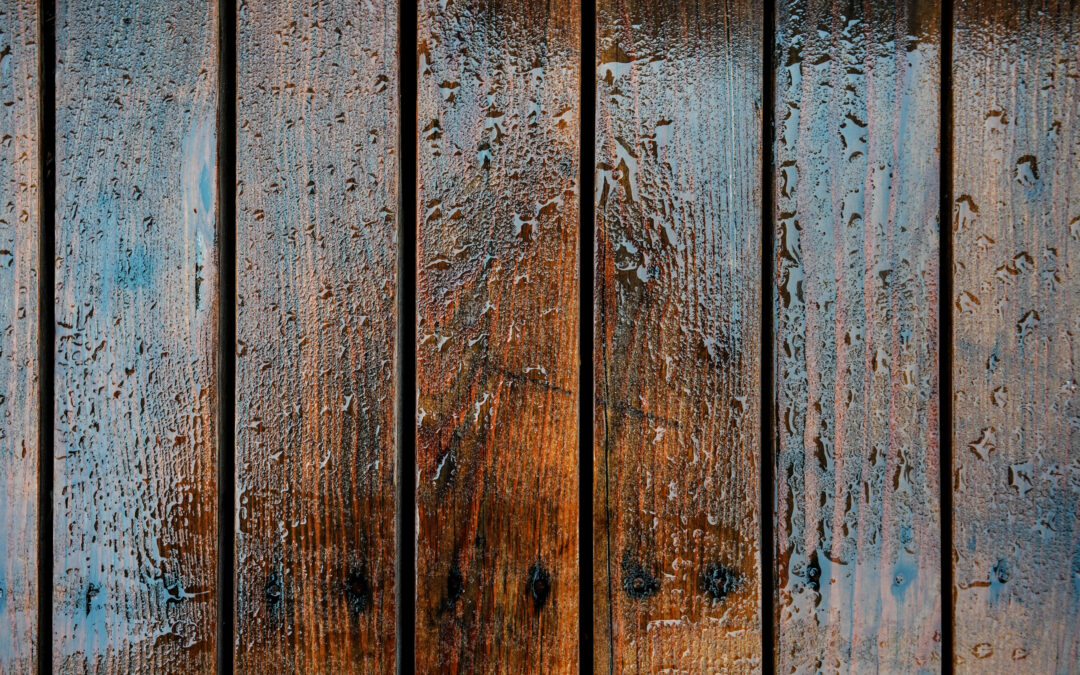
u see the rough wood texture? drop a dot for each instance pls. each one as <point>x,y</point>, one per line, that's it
<point>19,264</point>
<point>677,349</point>
<point>317,176</point>
<point>497,318</point>
<point>857,512</point>
<point>135,527</point>
<point>1016,313</point>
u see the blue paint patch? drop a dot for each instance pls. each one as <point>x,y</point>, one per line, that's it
<point>206,189</point>
<point>134,267</point>
<point>904,574</point>
<point>1000,574</point>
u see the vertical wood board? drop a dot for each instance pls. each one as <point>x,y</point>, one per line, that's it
<point>856,347</point>
<point>135,522</point>
<point>20,220</point>
<point>677,345</point>
<point>497,343</point>
<point>1016,318</point>
<point>316,317</point>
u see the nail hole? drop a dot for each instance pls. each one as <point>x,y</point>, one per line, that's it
<point>273,591</point>
<point>638,582</point>
<point>539,585</point>
<point>719,580</point>
<point>358,591</point>
<point>1001,571</point>
<point>455,586</point>
<point>813,572</point>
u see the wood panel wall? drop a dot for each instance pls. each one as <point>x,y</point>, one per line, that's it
<point>891,400</point>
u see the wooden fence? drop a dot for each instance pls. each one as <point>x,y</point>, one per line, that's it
<point>825,433</point>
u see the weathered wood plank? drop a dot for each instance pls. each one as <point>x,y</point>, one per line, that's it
<point>856,343</point>
<point>497,319</point>
<point>317,193</point>
<point>19,394</point>
<point>1016,314</point>
<point>135,523</point>
<point>677,346</point>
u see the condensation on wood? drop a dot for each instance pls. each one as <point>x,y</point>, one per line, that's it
<point>497,319</point>
<point>316,308</point>
<point>19,309</point>
<point>677,348</point>
<point>857,464</point>
<point>1016,316</point>
<point>135,523</point>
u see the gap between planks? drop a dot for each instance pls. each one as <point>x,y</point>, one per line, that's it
<point>945,335</point>
<point>226,331</point>
<point>47,329</point>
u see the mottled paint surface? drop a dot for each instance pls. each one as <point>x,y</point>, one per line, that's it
<point>857,458</point>
<point>19,281</point>
<point>677,348</point>
<point>316,310</point>
<point>497,343</point>
<point>135,523</point>
<point>1016,317</point>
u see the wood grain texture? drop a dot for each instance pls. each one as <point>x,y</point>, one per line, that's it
<point>19,282</point>
<point>677,348</point>
<point>497,319</point>
<point>856,210</point>
<point>1016,317</point>
<point>317,204</point>
<point>135,525</point>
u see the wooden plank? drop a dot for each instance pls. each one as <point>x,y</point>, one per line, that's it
<point>135,523</point>
<point>317,204</point>
<point>1016,317</point>
<point>677,347</point>
<point>856,343</point>
<point>19,393</point>
<point>497,319</point>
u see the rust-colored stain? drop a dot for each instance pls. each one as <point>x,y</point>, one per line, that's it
<point>496,336</point>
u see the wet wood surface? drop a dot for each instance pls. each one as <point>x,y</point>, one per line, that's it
<point>135,522</point>
<point>856,295</point>
<point>677,346</point>
<point>20,193</point>
<point>497,343</point>
<point>676,359</point>
<point>1016,314</point>
<point>316,308</point>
